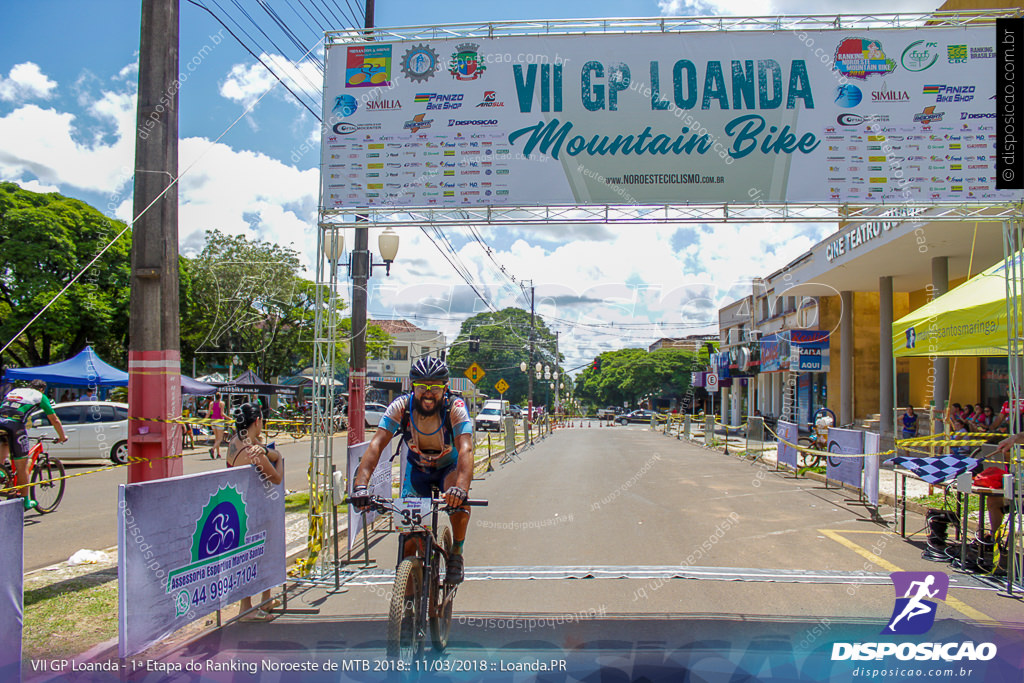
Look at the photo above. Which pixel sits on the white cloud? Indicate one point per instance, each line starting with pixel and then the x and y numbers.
pixel 65 149
pixel 245 83
pixel 226 185
pixel 36 186
pixel 26 81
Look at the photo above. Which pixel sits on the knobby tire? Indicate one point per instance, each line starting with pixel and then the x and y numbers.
pixel 403 639
pixel 47 484
pixel 440 602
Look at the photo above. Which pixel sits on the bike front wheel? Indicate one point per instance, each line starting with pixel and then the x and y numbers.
pixel 404 640
pixel 441 596
pixel 47 484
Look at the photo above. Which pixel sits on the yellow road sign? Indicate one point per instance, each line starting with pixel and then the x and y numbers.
pixel 475 373
pixel 501 386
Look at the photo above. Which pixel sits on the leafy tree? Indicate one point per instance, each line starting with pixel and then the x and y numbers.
pixel 247 298
pixel 504 344
pixel 627 375
pixel 46 240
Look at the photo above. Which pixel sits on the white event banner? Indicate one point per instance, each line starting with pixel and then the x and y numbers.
pixel 865 116
pixel 380 485
pixel 194 544
pixel 12 584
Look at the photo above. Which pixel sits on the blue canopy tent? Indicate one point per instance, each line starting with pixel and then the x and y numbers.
pixel 193 387
pixel 85 369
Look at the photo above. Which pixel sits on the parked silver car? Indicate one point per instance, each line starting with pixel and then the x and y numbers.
pixel 95 430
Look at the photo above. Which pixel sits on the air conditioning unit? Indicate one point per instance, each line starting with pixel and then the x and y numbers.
pixel 388 367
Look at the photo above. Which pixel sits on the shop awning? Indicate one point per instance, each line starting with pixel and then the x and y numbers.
pixel 969 320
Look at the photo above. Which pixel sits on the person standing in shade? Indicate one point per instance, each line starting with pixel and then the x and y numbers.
pixel 215 411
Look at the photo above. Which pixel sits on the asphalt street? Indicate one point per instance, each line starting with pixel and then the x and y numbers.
pixel 87 516
pixel 751 540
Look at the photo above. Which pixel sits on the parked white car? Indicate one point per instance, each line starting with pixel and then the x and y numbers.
pixel 95 430
pixel 374 412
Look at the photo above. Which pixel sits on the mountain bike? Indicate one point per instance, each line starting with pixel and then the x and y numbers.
pixel 420 595
pixel 46 476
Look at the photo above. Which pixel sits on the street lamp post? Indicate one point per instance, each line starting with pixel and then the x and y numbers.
pixel 360 267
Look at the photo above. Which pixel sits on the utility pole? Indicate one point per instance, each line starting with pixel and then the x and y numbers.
pixel 360 276
pixel 558 395
pixel 154 359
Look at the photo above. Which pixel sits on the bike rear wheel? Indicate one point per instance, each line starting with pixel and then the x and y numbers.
pixel 47 484
pixel 809 459
pixel 441 596
pixel 404 639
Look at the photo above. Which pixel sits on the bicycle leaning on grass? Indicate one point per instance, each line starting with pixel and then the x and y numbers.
pixel 46 477
pixel 420 597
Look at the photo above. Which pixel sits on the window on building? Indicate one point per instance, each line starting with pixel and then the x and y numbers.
pixel 399 353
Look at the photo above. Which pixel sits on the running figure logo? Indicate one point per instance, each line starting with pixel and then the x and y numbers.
pixel 914 612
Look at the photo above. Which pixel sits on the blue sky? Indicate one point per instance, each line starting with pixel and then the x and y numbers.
pixel 68 74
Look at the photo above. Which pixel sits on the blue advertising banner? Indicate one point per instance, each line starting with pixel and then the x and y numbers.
pixel 12 530
pixel 845 442
pixel 194 544
pixel 787 451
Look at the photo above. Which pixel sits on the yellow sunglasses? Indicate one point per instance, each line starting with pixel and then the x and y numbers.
pixel 429 387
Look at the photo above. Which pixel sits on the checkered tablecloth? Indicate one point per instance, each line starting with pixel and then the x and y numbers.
pixel 937 470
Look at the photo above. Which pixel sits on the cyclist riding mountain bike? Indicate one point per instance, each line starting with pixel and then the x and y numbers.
pixel 438 433
pixel 14 411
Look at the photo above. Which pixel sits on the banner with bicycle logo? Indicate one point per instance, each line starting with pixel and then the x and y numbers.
pixel 194 544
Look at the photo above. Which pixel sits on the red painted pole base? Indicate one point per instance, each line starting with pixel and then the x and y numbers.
pixel 356 406
pixel 154 392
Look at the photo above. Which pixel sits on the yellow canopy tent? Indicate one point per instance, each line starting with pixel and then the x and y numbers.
pixel 969 320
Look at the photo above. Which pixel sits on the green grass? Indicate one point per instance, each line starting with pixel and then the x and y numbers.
pixel 940 501
pixel 299 502
pixel 296 502
pixel 66 618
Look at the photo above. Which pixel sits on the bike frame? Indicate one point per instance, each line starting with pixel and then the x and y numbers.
pixel 33 457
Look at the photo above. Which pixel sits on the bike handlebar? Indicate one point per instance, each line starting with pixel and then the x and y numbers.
pixel 51 439
pixel 472 502
pixel 385 504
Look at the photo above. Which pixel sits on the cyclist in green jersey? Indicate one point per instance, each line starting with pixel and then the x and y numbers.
pixel 14 411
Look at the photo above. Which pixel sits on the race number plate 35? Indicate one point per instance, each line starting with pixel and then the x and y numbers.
pixel 414 506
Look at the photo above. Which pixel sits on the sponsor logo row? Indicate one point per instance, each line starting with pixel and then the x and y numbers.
pixel 346 105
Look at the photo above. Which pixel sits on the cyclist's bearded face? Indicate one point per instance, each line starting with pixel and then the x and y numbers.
pixel 427 403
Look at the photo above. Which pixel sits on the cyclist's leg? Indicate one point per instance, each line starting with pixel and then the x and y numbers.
pixel 18 440
pixel 460 524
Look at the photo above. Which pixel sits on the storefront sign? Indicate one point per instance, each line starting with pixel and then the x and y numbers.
pixel 855 237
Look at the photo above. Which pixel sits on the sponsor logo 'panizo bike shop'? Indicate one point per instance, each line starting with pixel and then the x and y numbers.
pixel 914 614
pixel 223 555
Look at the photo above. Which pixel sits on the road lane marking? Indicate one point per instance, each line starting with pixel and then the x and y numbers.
pixel 958 605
